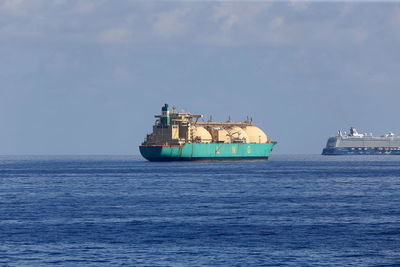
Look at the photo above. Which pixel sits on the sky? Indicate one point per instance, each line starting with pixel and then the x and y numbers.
pixel 88 76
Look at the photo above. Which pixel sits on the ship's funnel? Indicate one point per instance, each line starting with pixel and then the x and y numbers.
pixel 165 120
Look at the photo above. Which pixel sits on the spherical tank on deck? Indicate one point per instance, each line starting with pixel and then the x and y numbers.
pixel 255 134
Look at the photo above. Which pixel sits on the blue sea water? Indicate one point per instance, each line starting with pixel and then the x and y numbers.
pixel 122 210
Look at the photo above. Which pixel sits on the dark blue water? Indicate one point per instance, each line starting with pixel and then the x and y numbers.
pixel 115 210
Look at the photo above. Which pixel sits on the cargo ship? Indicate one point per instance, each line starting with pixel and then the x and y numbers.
pixel 180 136
pixel 355 143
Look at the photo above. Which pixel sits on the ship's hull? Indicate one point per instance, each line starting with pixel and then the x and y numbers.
pixel 211 151
pixel 360 151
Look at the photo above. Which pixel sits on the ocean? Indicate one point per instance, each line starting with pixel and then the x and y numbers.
pixel 293 210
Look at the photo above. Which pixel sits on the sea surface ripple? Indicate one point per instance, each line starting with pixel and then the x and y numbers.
pixel 121 210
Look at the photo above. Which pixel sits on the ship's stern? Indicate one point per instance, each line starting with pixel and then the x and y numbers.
pixel 151 153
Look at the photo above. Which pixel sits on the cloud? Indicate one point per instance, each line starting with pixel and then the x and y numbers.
pixel 298 6
pixel 171 23
pixel 124 75
pixel 276 31
pixel 227 17
pixel 233 23
pixel 276 23
pixel 59 2
pixel 397 16
pixel 347 8
pixel 237 15
pixel 205 23
pixel 379 79
pixel 85 6
pixel 19 7
pixel 115 35
pixel 357 34
pixel 396 22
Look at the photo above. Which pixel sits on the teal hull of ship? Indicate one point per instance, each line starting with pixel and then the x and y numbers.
pixel 212 151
